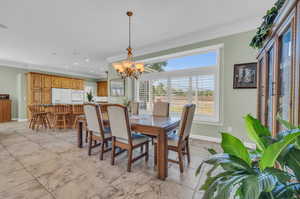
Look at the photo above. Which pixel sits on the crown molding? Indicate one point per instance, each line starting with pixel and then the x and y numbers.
pixel 44 68
pixel 232 28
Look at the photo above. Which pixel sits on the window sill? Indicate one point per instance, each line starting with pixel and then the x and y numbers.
pixel 212 123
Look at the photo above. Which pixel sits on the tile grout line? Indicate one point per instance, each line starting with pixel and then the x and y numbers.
pixel 28 172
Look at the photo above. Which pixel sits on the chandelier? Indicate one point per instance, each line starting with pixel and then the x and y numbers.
pixel 129 68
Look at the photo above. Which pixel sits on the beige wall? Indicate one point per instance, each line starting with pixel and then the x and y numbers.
pixel 235 102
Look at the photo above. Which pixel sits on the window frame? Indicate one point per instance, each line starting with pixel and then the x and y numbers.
pixel 203 70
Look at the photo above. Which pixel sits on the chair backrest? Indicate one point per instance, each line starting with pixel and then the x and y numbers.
pixel 35 108
pixel 161 109
pixel 94 119
pixel 187 117
pixel 135 106
pixel 77 109
pixel 119 122
pixel 61 108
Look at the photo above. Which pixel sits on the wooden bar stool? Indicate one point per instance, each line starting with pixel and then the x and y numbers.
pixel 39 117
pixel 77 113
pixel 61 116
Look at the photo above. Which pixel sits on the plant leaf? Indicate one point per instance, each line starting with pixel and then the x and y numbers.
pixel 256 131
pixel 228 162
pixel 270 155
pixel 251 188
pixel 285 123
pixel 235 147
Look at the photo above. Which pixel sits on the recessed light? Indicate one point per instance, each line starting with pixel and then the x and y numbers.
pixel 87 59
pixel 75 63
pixel 3 26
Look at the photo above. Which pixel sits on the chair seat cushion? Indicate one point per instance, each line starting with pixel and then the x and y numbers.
pixel 172 139
pixel 136 139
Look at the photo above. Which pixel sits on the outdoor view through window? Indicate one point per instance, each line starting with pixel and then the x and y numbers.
pixel 182 80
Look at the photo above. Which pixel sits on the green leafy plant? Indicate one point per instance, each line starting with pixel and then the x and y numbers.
pixel 271 171
pixel 264 30
pixel 89 96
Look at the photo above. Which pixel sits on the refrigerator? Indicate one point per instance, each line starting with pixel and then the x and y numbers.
pixel 67 96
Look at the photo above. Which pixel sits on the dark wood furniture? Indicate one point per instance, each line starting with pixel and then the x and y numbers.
pixel 179 142
pixel 149 125
pixel 5 108
pixel 279 71
pixel 95 127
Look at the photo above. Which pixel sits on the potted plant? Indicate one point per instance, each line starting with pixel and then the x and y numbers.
pixel 89 96
pixel 271 171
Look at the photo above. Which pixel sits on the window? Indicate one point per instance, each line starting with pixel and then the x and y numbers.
pixel 182 80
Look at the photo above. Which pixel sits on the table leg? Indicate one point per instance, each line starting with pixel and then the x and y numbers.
pixel 79 133
pixel 162 155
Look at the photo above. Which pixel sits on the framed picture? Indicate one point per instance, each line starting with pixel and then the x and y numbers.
pixel 244 75
pixel 117 87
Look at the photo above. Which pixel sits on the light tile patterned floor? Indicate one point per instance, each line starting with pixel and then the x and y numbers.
pixel 48 164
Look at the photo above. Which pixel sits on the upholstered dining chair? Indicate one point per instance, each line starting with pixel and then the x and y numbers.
pixel 96 129
pixel 123 137
pixel 161 109
pixel 180 142
pixel 135 106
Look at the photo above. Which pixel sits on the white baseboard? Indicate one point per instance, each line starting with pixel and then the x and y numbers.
pixel 218 140
pixel 22 120
pixel 19 119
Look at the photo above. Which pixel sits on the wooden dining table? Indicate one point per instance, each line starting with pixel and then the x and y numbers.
pixel 153 126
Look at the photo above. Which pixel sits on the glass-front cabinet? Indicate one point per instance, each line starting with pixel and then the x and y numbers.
pixel 278 72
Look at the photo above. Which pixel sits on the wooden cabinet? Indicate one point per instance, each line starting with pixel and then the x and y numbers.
pixel 36 81
pixel 278 70
pixel 5 110
pixel 102 89
pixel 46 96
pixel 39 87
pixel 47 81
pixel 56 82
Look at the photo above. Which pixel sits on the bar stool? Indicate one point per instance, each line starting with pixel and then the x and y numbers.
pixel 61 115
pixel 39 118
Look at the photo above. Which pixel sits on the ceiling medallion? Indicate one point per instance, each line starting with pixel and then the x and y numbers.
pixel 128 68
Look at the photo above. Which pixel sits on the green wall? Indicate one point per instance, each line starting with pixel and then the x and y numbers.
pixel 235 102
pixel 13 82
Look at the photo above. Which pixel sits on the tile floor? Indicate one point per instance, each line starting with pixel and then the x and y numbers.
pixel 47 164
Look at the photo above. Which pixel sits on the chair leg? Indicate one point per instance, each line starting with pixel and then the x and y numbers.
pixel 86 136
pixel 113 149
pixel 142 148
pixel 102 150
pixel 188 151
pixel 65 121
pixel 90 144
pixel 129 159
pixel 155 154
pixel 180 160
pixel 147 152
pixel 30 123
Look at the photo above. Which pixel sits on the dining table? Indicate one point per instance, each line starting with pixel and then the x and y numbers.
pixel 158 127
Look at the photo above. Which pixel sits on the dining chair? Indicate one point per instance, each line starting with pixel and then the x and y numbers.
pixel 123 137
pixel 180 142
pixel 135 106
pixel 96 129
pixel 161 109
